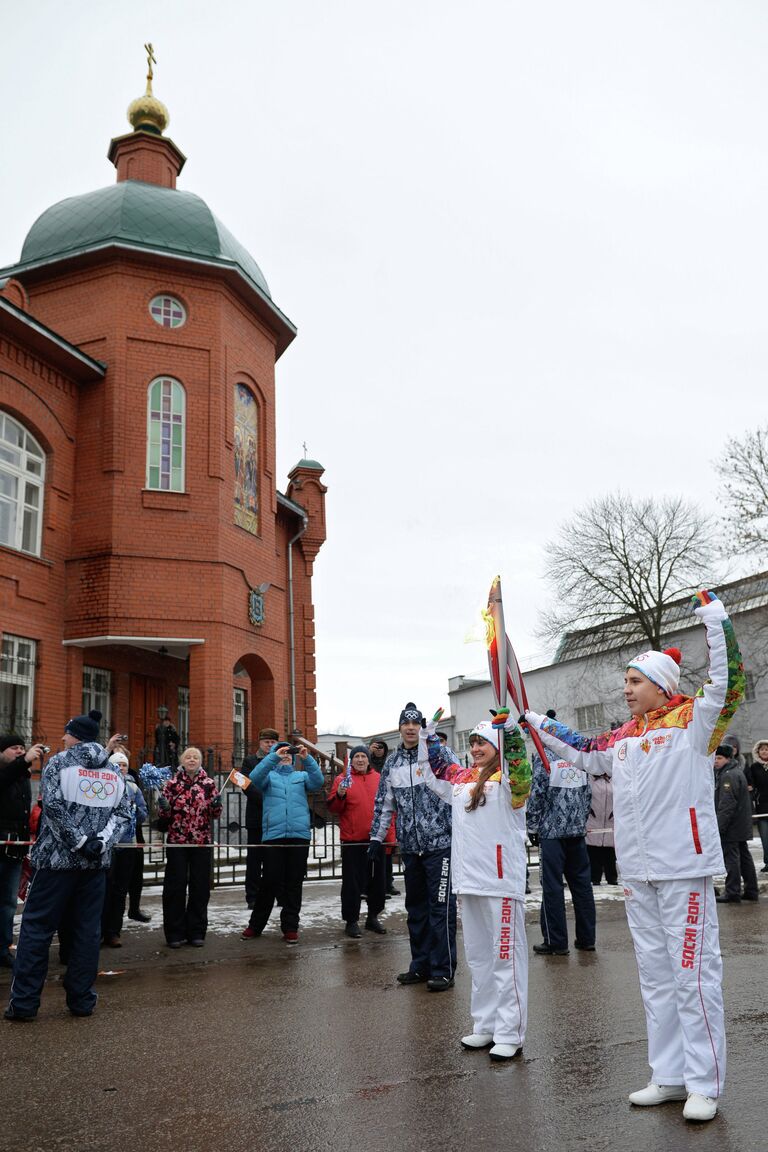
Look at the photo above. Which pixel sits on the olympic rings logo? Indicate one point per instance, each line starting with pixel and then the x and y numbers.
pixel 570 774
pixel 97 789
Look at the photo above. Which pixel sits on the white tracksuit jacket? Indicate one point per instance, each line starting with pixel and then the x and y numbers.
pixel 662 767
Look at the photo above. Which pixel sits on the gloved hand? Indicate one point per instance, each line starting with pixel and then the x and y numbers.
pixel 534 839
pixel 93 849
pixel 430 726
pixel 500 718
pixel 375 851
pixel 163 803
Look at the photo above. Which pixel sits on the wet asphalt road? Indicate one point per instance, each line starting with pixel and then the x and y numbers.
pixel 254 1045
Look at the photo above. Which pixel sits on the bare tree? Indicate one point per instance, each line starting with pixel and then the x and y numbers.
pixel 618 564
pixel 743 469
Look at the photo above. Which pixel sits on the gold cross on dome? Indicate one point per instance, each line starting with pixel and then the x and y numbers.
pixel 150 60
pixel 304 446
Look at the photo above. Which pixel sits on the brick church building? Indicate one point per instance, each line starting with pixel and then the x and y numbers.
pixel 147 559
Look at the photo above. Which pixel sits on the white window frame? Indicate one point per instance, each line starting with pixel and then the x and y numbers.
pixel 590 717
pixel 17 683
pixel 31 457
pixel 182 717
pixel 160 301
pixel 97 693
pixel 239 722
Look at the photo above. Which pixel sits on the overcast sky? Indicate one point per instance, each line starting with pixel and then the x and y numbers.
pixel 524 245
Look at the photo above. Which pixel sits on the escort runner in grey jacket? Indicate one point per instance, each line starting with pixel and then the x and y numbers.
pixel 422 819
pixel 83 796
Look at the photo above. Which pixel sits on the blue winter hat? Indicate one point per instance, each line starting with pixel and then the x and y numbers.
pixel 84 727
pixel 410 715
pixel 359 748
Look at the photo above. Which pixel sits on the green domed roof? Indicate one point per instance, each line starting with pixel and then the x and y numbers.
pixel 136 215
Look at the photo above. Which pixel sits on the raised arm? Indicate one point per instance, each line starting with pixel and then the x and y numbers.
pixel 592 753
pixel 439 768
pixel 518 767
pixel 716 702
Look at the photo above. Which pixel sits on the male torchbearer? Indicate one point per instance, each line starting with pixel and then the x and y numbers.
pixel 668 850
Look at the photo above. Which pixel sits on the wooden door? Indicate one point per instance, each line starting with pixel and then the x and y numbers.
pixel 146 698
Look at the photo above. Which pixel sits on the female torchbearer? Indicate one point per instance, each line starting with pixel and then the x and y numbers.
pixel 668 849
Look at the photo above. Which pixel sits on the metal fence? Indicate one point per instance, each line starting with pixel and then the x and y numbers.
pixel 230 835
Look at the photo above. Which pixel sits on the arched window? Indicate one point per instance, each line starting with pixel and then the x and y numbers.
pixel 165 435
pixel 246 460
pixel 22 473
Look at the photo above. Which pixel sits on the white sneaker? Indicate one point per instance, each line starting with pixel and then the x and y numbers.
pixel 504 1052
pixel 477 1040
pixel 698 1107
pixel 657 1094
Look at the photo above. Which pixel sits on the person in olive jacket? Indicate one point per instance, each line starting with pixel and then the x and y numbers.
pixel 284 778
pixel 733 805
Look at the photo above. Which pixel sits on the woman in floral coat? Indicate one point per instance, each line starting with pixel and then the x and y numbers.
pixel 188 803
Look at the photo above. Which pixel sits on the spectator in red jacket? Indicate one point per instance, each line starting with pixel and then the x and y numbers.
pixel 351 799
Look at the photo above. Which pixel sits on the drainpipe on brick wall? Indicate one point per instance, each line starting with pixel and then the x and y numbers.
pixel 291 637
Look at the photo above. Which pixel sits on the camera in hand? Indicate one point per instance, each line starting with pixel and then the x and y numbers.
pixel 45 749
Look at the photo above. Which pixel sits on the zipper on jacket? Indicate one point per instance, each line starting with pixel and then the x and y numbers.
pixel 413 800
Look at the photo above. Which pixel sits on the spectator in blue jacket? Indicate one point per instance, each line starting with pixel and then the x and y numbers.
pixel 284 777
pixel 557 813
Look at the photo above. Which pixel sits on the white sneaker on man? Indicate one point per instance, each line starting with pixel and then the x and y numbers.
pixel 698 1107
pixel 477 1040
pixel 504 1052
pixel 657 1094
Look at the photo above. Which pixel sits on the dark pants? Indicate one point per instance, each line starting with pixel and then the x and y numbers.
pixel 360 877
pixel 567 858
pixel 77 897
pixel 738 863
pixel 602 859
pixel 136 886
pixel 186 891
pixel 118 883
pixel 10 874
pixel 285 863
pixel 254 866
pixel 431 908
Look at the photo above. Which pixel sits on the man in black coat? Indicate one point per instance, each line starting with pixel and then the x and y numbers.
pixel 15 801
pixel 734 820
pixel 254 859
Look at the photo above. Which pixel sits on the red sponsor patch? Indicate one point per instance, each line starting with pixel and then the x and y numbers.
pixel 499 864
pixel 695 831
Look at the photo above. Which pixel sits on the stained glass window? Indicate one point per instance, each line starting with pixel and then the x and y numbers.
pixel 165 435
pixel 167 311
pixel 246 460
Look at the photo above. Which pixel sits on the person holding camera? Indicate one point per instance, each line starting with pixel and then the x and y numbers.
pixel 15 802
pixel 284 777
pixel 85 811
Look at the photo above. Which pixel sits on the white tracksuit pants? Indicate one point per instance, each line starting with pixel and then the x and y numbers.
pixel 675 934
pixel 497 955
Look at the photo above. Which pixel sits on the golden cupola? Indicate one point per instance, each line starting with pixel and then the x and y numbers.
pixel 146 113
